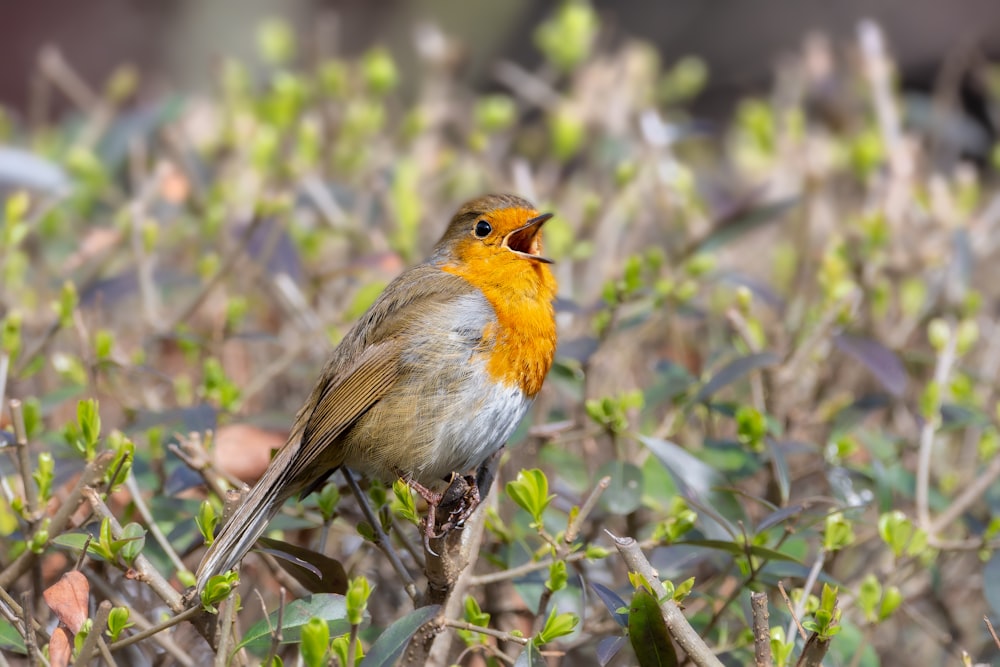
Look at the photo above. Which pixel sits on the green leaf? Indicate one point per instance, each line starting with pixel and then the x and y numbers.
pixel 648 632
pixel 624 493
pixel 358 592
pixel 404 505
pixel 474 613
pixel 869 595
pixel 43 475
pixel 738 549
pixel 556 625
pixel 10 638
pixel 134 539
pixel 325 606
pixel 531 492
pixel 218 589
pixel 315 642
pixel 390 644
pixel 891 599
pixel 557 576
pixel 118 622
pixel 530 657
pixel 206 519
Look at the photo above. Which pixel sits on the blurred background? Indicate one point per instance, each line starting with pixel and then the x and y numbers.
pixel 174 44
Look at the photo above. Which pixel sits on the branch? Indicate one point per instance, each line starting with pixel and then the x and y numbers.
pixel 96 630
pixel 966 498
pixel 942 369
pixel 383 543
pixel 475 528
pixel 761 630
pixel 24 459
pixel 144 569
pixel 92 474
pixel 813 652
pixel 682 632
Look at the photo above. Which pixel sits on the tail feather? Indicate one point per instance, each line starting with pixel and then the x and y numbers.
pixel 237 536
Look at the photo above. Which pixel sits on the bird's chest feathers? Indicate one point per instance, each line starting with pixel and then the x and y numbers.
pixel 521 343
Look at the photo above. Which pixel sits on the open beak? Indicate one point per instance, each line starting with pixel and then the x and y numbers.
pixel 525 240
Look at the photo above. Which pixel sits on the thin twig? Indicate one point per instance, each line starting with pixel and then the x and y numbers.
pixel 761 630
pixel 109 659
pixel 92 474
pixel 416 553
pixel 791 610
pixel 352 644
pixel 522 570
pixel 800 608
pixel 140 504
pixel 29 637
pixel 96 630
pixel 24 458
pixel 993 633
pixel 972 492
pixel 10 606
pixel 224 629
pixel 686 637
pixel 942 369
pixel 499 634
pixel 4 369
pixel 185 615
pixel 276 638
pixel 180 655
pixel 409 585
pixel 573 529
pixel 144 569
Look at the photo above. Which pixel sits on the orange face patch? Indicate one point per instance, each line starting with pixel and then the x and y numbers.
pixel 522 343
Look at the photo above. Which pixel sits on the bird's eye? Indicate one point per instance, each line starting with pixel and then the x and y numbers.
pixel 483 229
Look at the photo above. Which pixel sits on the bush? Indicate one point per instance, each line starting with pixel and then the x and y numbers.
pixel 776 371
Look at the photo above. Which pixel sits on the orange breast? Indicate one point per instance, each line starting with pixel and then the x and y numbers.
pixel 522 342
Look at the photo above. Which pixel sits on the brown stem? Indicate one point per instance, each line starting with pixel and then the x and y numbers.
pixel 144 569
pixel 682 632
pixel 24 458
pixel 92 474
pixel 761 630
pixel 475 529
pixel 383 542
pixel 96 630
pixel 813 652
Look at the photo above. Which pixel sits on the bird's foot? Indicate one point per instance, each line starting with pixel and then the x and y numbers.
pixel 448 510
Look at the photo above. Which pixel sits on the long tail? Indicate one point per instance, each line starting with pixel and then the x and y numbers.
pixel 249 521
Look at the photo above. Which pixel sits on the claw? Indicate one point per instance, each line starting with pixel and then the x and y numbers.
pixel 449 510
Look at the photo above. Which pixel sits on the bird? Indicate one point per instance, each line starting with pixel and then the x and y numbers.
pixel 430 382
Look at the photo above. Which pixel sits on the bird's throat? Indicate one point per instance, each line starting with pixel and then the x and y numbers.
pixel 521 343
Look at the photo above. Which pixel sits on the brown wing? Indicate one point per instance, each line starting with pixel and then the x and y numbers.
pixel 361 370
pixel 335 407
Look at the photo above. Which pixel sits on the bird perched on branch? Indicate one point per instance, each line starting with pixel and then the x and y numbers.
pixel 430 382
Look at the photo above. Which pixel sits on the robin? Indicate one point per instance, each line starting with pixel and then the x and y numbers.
pixel 430 382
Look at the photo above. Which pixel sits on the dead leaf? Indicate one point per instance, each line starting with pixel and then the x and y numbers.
pixel 244 451
pixel 60 648
pixel 69 599
pixel 96 241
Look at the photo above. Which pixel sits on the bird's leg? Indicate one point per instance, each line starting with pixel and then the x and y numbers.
pixel 433 499
pixel 452 508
